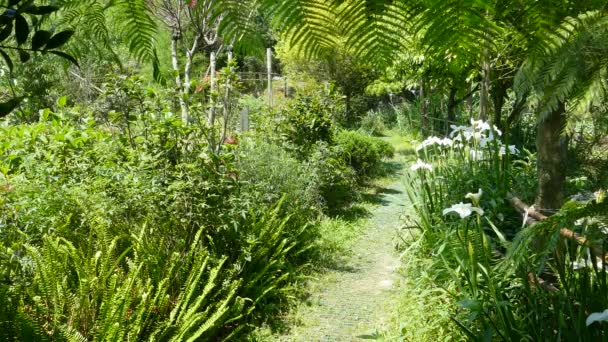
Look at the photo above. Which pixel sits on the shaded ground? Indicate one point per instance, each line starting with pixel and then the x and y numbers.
pixel 349 303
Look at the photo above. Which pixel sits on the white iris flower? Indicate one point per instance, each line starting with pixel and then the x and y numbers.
pixel 463 209
pixel 421 165
pixel 597 317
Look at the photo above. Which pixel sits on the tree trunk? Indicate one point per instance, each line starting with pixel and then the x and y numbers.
pixel 485 89
pixel 186 86
pixel 552 148
pixel 212 90
pixel 423 107
pixel 178 80
pixel 498 99
pixel 212 102
pixel 269 71
pixel 349 120
pixel 227 105
pixel 452 105
pixel 470 100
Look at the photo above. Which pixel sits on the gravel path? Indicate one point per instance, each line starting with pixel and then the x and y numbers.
pixel 350 303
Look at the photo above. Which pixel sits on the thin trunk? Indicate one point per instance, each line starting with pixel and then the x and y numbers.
pixel 451 108
pixel 498 99
pixel 212 89
pixel 186 86
pixel 178 79
pixel 552 148
pixel 226 106
pixel 518 108
pixel 269 70
pixel 470 100
pixel 347 109
pixel 485 78
pixel 212 95
pixel 485 89
pixel 423 107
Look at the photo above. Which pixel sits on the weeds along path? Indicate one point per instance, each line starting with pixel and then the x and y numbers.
pixel 349 303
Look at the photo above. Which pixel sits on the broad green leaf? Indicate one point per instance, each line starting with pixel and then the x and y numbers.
pixel 40 39
pixel 59 39
pixel 65 56
pixel 6 31
pixel 41 10
pixel 7 59
pixel 10 105
pixel 62 101
pixel 22 29
pixel 24 56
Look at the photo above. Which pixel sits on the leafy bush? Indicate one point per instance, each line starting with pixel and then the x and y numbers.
pixel 142 226
pixel 307 120
pixel 373 124
pixel 323 182
pixel 363 153
pixel 268 172
pixel 333 179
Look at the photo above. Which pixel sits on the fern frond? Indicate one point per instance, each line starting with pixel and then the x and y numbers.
pixel 139 29
pixel 304 23
pixel 570 64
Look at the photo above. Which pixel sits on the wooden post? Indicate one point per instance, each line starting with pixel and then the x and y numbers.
pixel 269 70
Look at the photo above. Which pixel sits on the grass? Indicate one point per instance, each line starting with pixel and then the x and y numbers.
pixel 423 311
pixel 336 242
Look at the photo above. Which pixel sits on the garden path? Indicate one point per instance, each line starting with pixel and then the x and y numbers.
pixel 350 303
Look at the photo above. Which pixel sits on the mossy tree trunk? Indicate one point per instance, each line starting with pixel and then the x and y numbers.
pixel 552 148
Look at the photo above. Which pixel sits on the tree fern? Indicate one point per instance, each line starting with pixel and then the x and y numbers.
pixel 139 29
pixel 305 23
pixel 571 65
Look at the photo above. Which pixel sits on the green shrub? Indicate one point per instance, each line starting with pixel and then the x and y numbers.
pixel 372 124
pixel 332 177
pixel 323 182
pixel 363 153
pixel 306 120
pixel 102 225
pixel 267 172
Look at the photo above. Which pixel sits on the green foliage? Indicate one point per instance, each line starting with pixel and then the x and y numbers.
pixel 514 282
pixel 15 28
pixel 262 169
pixel 332 178
pixel 120 222
pixel 373 124
pixel 363 153
pixel 307 120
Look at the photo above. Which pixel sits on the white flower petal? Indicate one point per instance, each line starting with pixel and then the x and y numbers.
pixel 464 210
pixel 597 317
pixel 421 165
